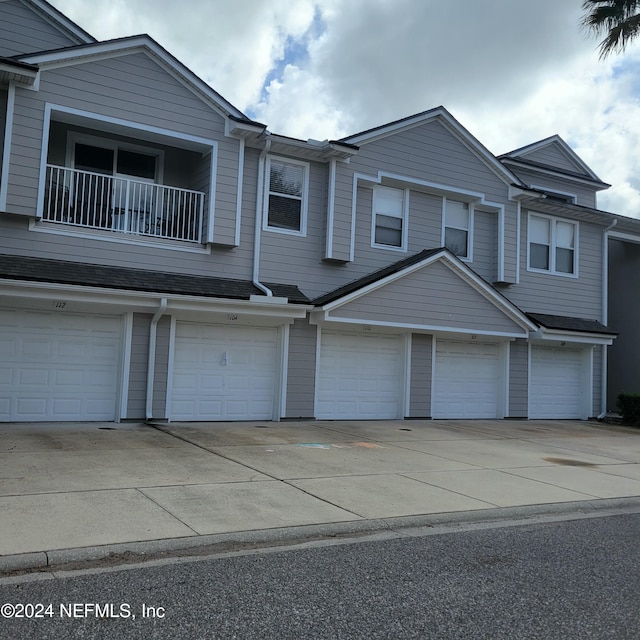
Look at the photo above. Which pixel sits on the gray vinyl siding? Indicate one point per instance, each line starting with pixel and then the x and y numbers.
pixel 138 370
pixel 431 153
pixel 518 379
pixel 485 242
pixel 432 296
pixel 163 336
pixel 597 380
pixel 3 118
pixel 552 156
pixel 343 198
pixel 561 295
pixel 189 115
pixel 132 88
pixel 301 375
pixel 428 153
pixel 421 363
pixel 25 31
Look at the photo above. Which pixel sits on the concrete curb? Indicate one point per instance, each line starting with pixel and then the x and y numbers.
pixel 140 552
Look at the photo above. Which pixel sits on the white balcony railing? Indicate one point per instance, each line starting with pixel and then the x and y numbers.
pixel 87 199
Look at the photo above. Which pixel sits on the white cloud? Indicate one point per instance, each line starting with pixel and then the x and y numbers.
pixel 511 72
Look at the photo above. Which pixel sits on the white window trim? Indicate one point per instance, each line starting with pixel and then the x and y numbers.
pixel 305 197
pixel 469 256
pixel 405 220
pixel 552 246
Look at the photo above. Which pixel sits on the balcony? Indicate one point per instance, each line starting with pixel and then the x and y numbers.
pixel 122 205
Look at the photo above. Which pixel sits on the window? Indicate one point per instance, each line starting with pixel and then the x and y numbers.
pixel 389 218
pixel 552 245
pixel 457 228
pixel 115 161
pixel 287 196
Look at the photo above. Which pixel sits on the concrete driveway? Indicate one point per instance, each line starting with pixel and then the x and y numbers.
pixel 68 486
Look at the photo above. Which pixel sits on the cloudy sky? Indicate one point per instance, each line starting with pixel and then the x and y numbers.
pixel 511 71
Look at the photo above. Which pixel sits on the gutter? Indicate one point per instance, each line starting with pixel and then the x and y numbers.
pixel 151 365
pixel 258 229
pixel 605 315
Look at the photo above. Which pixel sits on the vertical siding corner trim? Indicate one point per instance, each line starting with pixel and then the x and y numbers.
pixel 123 399
pixel 331 206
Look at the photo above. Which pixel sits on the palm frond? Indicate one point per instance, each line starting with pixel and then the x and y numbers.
pixel 620 19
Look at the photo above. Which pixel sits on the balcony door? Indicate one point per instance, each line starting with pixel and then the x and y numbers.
pixel 125 195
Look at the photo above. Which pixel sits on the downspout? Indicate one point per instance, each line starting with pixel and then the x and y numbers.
pixel 258 230
pixel 153 333
pixel 605 315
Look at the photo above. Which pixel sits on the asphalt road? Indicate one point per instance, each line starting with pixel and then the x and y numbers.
pixel 564 580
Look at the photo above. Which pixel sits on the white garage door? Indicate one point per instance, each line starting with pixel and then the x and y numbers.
pixel 557 381
pixel 58 366
pixel 223 372
pixel 361 377
pixel 466 380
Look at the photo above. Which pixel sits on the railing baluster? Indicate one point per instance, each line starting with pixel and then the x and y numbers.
pixel 89 199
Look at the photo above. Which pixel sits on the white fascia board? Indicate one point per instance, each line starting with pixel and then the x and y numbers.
pixel 330 306
pixel 125 298
pixel 558 174
pixel 454 127
pixel 408 326
pixel 627 237
pixel 480 151
pixel 18 74
pixel 566 149
pixel 505 305
pixel 61 22
pixel 579 337
pixel 128 46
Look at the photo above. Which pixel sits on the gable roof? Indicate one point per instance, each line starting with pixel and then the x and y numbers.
pixel 441 115
pixel 127 279
pixel 519 157
pixel 142 43
pixel 59 20
pixel 399 269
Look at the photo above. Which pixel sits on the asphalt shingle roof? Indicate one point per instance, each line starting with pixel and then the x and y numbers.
pixel 570 324
pixel 93 275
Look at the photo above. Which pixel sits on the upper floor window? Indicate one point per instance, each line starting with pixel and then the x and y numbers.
pixel 457 228
pixel 552 245
pixel 389 218
pixel 286 206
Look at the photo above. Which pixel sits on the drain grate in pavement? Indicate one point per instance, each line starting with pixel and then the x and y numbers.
pixel 260 426
pixel 567 462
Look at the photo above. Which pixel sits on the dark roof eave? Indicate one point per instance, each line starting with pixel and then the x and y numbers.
pixel 359 283
pixel 29 269
pixel 568 323
pixel 506 159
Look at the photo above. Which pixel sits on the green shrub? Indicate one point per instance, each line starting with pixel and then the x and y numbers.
pixel 629 405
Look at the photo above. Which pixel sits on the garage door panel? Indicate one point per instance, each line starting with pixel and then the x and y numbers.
pixel 467 379
pixel 360 376
pixel 224 372
pixel 54 366
pixel 557 380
